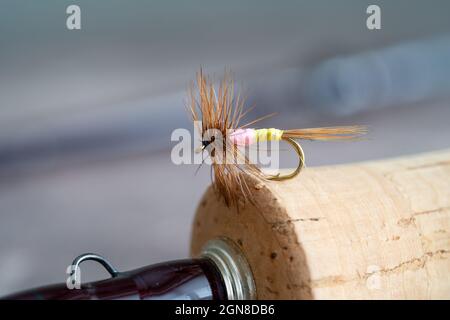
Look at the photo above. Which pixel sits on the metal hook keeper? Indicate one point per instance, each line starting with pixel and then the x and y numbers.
pixel 95 257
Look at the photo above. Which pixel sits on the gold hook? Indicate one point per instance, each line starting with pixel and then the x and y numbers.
pixel 301 162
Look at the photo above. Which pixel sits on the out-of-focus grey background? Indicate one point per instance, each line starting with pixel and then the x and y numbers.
pixel 86 115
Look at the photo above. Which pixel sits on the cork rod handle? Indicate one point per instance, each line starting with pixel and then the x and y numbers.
pixel 359 231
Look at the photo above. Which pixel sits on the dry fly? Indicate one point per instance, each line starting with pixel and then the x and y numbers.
pixel 220 111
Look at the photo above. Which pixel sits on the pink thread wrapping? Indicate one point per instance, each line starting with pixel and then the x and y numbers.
pixel 243 137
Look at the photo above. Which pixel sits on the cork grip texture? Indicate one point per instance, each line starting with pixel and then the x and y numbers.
pixel 373 230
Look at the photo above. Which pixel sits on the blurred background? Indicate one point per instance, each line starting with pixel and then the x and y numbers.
pixel 86 115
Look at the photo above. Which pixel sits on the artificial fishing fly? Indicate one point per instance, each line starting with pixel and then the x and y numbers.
pixel 221 111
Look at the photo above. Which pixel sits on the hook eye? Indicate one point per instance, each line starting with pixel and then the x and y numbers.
pixel 301 162
pixel 95 257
